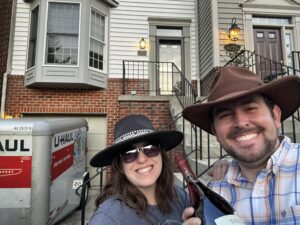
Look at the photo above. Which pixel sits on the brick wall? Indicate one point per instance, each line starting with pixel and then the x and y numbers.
pixel 35 100
pixel 206 82
pixel 5 16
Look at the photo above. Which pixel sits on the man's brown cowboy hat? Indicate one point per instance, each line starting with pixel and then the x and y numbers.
pixel 234 82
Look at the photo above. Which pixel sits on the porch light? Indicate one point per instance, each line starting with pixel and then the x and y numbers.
pixel 142 44
pixel 234 30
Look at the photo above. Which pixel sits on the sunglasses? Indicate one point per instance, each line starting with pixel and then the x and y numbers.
pixel 131 155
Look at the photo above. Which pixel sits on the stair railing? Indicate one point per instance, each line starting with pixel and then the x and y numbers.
pixel 156 78
pixel 268 69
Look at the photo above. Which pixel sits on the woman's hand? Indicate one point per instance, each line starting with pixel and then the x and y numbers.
pixel 188 219
pixel 218 170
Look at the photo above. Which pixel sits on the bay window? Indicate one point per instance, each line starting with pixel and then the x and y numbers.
pixel 67 43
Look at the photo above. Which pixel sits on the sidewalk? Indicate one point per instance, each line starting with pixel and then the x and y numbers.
pixel 75 217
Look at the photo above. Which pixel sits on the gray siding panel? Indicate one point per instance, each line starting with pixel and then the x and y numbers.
pixel 205 37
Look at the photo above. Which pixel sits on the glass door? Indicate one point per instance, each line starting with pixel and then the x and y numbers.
pixel 170 65
pixel 170 61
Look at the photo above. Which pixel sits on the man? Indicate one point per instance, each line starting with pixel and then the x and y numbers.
pixel 263 181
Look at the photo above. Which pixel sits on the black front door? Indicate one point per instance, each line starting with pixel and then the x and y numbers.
pixel 267 43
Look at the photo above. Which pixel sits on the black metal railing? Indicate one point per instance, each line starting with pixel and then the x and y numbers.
pixel 295 55
pixel 150 78
pixel 266 68
pixel 82 190
pixel 156 78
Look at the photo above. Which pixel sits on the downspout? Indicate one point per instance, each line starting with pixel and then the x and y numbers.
pixel 9 57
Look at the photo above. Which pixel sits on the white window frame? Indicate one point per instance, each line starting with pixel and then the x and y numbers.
pixel 37 7
pixel 105 43
pixel 285 48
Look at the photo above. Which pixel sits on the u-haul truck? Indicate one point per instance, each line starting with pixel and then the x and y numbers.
pixel 42 162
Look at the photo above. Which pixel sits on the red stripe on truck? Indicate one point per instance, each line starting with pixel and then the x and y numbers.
pixel 62 160
pixel 15 171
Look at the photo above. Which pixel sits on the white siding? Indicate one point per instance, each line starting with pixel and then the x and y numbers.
pixel 129 23
pixel 20 38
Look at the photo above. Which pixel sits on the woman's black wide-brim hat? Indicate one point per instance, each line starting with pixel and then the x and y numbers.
pixel 134 129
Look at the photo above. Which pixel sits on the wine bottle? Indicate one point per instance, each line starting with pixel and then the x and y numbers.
pixel 212 208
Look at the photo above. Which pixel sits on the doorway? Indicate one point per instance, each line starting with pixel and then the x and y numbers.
pixel 267 43
pixel 170 64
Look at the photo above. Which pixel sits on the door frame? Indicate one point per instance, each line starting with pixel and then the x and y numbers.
pixel 285 9
pixel 158 22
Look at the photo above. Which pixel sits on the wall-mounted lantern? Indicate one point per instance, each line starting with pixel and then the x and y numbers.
pixel 234 30
pixel 142 44
pixel 232 48
pixel 142 51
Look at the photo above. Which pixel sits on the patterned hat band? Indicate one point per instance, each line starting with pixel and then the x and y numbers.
pixel 132 134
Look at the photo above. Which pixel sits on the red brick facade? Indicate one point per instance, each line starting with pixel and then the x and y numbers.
pixel 21 100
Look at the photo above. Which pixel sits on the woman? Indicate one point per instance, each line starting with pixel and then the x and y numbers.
pixel 140 191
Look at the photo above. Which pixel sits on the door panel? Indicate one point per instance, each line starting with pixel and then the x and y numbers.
pixel 267 43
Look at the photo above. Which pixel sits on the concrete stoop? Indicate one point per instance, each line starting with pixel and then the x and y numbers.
pixel 189 137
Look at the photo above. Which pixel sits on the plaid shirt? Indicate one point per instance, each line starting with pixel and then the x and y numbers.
pixel 274 198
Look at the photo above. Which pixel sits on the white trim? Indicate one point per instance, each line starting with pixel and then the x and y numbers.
pixel 216 33
pixel 29 33
pixel 105 48
pixel 271 11
pixel 284 44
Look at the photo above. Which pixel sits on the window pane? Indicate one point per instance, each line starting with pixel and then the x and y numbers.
pixel 62 33
pixel 169 32
pixel 102 28
pixel 96 54
pixel 32 38
pixel 272 35
pixel 271 20
pixel 288 46
pixel 97 40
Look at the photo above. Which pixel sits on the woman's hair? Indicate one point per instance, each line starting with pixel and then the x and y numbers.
pixel 119 184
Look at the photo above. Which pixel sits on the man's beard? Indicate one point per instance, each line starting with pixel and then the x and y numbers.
pixel 266 151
